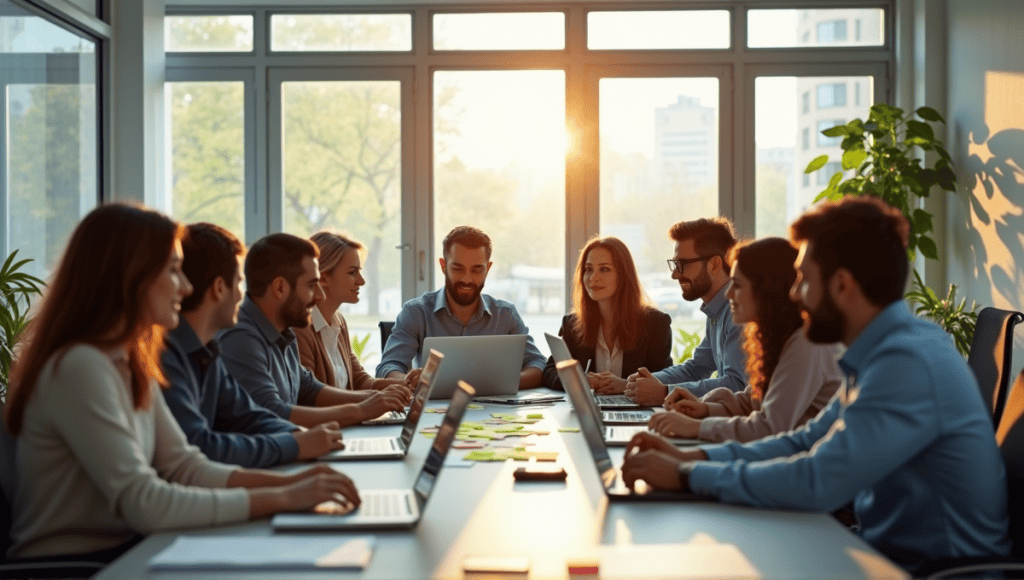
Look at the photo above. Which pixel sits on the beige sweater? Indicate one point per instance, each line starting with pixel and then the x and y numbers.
pixel 92 471
pixel 804 381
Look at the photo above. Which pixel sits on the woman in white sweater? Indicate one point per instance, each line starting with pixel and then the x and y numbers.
pixel 99 458
pixel 791 378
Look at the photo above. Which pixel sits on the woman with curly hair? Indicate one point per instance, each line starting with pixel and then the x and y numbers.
pixel 791 378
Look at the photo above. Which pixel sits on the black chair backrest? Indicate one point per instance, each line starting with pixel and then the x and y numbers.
pixel 1010 437
pixel 991 353
pixel 386 327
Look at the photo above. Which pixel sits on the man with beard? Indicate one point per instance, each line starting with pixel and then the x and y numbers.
pixel 907 438
pixel 261 352
pixel 458 309
pixel 699 265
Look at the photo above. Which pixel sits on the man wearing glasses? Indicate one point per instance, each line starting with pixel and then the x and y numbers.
pixel 700 267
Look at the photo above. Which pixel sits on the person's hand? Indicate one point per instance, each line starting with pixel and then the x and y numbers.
pixel 658 470
pixel 648 441
pixel 644 389
pixel 412 378
pixel 673 424
pixel 695 409
pixel 319 488
pixel 401 390
pixel 319 440
pixel 380 402
pixel 606 383
pixel 679 394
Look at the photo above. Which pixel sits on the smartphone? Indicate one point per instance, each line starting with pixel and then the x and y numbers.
pixel 540 473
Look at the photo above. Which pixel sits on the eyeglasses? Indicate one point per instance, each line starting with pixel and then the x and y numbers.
pixel 678 265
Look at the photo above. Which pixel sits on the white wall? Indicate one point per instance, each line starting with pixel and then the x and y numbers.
pixel 985 224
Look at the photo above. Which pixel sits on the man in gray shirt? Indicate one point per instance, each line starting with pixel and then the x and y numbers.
pixel 700 265
pixel 283 283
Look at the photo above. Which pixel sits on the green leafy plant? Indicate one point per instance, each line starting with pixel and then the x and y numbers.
pixel 16 291
pixel 880 152
pixel 683 345
pixel 359 347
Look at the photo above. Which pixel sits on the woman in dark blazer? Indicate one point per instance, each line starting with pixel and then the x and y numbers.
pixel 612 325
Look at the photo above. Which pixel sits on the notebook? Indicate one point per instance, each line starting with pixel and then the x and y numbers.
pixel 388 508
pixel 560 352
pixel 491 363
pixel 393 447
pixel 228 554
pixel 575 383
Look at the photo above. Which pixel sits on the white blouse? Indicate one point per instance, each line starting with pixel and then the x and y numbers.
pixel 607 360
pixel 330 333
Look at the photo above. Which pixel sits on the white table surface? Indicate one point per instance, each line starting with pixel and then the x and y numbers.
pixel 480 510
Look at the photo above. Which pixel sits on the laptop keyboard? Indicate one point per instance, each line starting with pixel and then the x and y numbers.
pixel 614 400
pixel 626 416
pixel 386 504
pixel 370 445
pixel 390 417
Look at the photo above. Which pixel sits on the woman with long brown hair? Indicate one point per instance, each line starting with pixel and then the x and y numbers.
pixel 612 324
pixel 790 378
pixel 100 459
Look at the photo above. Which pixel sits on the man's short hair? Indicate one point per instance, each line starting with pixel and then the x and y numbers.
pixel 711 237
pixel 864 235
pixel 467 237
pixel 210 252
pixel 276 255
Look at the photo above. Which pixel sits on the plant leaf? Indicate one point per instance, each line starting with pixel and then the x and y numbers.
pixel 816 164
pixel 927 247
pixel 929 114
pixel 853 158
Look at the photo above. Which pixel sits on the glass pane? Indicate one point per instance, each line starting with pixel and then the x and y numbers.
pixel 787 135
pixel 207 153
pixel 807 28
pixel 342 143
pixel 50 150
pixel 668 29
pixel 499 165
pixel 222 33
pixel 340 32
pixel 659 166
pixel 516 31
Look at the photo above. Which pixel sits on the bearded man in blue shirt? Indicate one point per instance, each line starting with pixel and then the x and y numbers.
pixel 907 438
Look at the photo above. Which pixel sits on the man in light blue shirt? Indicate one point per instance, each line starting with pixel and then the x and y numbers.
pixel 700 265
pixel 458 309
pixel 908 437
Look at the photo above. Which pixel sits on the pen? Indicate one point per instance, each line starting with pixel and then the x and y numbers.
pixel 587 370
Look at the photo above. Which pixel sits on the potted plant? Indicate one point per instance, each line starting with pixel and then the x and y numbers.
pixel 880 153
pixel 16 290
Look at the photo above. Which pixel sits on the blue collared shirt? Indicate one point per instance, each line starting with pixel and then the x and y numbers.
pixel 429 315
pixel 907 437
pixel 266 362
pixel 214 412
pixel 721 350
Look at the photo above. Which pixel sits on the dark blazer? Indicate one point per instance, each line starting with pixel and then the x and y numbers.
pixel 653 352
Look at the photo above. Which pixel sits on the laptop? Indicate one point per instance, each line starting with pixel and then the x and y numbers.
pixel 393 447
pixel 491 363
pixel 388 508
pixel 614 436
pixel 560 352
pixel 576 385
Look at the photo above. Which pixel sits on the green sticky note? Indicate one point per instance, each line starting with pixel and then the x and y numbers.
pixel 569 430
pixel 535 416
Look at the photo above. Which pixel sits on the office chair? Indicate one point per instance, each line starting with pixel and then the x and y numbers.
pixel 386 327
pixel 27 567
pixel 990 355
pixel 1010 438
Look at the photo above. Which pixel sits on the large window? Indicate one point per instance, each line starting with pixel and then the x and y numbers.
pixel 543 127
pixel 49 154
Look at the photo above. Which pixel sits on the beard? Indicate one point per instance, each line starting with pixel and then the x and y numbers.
pixel 295 313
pixel 452 289
pixel 699 286
pixel 825 324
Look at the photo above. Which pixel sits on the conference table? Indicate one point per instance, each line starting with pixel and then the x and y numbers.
pixel 477 510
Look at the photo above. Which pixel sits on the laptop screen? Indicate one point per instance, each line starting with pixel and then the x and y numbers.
pixel 442 442
pixel 419 398
pixel 575 383
pixel 559 350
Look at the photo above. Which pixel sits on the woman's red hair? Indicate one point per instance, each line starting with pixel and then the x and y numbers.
pixel 98 296
pixel 629 301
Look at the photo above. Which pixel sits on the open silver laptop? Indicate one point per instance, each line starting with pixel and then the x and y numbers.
pixel 560 352
pixel 491 363
pixel 575 383
pixel 613 435
pixel 393 447
pixel 388 508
